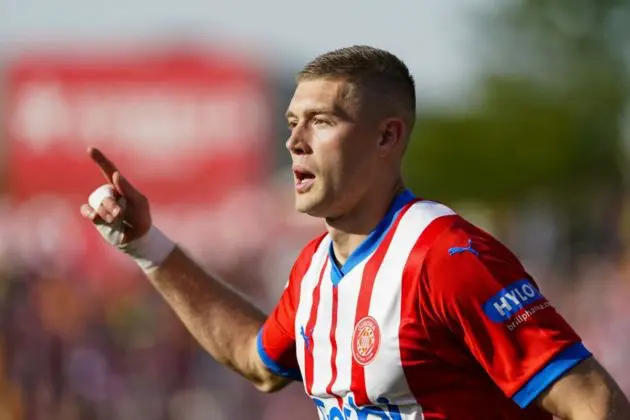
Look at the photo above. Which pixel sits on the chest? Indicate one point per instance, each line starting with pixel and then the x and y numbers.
pixel 355 339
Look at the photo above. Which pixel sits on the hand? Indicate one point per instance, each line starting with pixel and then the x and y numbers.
pixel 135 215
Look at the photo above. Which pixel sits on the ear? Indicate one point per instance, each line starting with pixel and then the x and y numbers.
pixel 392 135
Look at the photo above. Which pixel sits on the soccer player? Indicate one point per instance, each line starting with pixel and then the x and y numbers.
pixel 401 309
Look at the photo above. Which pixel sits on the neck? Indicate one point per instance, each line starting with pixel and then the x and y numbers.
pixel 350 229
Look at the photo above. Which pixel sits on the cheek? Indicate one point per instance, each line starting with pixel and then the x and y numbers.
pixel 330 155
pixel 343 157
pixel 349 172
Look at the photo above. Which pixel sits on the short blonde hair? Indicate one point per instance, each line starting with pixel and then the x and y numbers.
pixel 375 73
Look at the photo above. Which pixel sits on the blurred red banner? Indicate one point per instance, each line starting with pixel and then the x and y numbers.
pixel 184 126
pixel 190 128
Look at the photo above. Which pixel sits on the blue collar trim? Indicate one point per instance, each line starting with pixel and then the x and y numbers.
pixel 374 239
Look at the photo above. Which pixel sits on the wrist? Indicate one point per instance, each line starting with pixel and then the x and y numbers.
pixel 150 250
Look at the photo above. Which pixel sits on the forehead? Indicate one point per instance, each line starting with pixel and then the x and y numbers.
pixel 321 94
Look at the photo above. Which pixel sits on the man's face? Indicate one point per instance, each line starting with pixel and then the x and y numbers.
pixel 333 145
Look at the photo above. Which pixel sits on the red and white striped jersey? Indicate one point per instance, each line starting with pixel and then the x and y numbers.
pixel 430 318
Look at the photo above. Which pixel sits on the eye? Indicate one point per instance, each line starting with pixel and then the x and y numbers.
pixel 321 121
pixel 291 125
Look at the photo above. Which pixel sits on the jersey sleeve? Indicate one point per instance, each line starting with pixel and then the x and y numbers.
pixel 482 293
pixel 276 338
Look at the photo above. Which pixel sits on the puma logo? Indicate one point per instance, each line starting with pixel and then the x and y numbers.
pixel 459 249
pixel 306 337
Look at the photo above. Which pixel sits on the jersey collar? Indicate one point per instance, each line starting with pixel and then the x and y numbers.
pixel 373 240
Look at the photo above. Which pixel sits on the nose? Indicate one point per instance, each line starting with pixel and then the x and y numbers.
pixel 297 143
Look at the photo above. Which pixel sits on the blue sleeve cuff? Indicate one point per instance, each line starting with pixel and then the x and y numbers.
pixel 274 367
pixel 558 366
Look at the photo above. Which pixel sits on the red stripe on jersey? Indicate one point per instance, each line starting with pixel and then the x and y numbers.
pixel 357 386
pixel 410 304
pixel 333 344
pixel 310 344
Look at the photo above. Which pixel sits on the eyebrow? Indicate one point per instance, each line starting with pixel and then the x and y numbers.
pixel 311 112
pixel 337 111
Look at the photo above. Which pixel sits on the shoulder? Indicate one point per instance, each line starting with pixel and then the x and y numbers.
pixel 464 244
pixel 464 261
pixel 431 224
pixel 440 232
pixel 445 233
pixel 422 222
pixel 449 248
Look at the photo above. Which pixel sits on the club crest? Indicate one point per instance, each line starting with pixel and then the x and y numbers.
pixel 366 340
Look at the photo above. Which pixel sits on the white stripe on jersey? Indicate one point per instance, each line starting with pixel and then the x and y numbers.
pixel 322 351
pixel 385 305
pixel 309 283
pixel 348 300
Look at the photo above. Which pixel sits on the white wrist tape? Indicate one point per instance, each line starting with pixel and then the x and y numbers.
pixel 150 250
pixel 113 232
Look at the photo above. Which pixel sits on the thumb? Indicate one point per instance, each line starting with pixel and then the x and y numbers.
pixel 124 187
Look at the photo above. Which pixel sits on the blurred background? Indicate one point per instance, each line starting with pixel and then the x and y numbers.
pixel 524 128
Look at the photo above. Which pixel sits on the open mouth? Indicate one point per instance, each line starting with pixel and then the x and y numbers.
pixel 302 175
pixel 303 178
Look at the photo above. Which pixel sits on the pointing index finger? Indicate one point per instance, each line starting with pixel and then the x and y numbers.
pixel 105 165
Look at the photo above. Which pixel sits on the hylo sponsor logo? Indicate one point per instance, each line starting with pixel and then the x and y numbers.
pixel 511 300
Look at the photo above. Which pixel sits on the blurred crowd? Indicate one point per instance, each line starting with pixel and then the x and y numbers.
pixel 69 353
pixel 81 344
pixel 74 345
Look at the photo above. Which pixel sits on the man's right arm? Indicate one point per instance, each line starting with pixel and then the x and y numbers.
pixel 223 322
